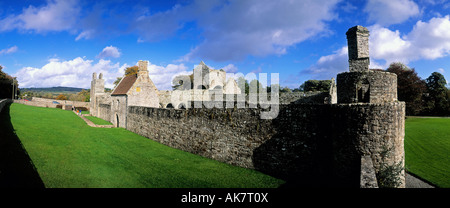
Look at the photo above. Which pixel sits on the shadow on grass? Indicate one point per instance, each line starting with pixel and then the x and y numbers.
pixel 16 168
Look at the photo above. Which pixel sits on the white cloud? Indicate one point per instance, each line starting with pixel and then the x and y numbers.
pixel 109 51
pixel 234 30
pixel 72 73
pixel 162 76
pixel 432 38
pixel 428 40
pixel 78 73
pixel 388 45
pixel 85 34
pixel 348 7
pixel 230 68
pixel 9 50
pixel 330 65
pixel 56 15
pixel 162 24
pixel 388 12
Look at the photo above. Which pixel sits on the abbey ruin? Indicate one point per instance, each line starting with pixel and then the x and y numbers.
pixel 343 138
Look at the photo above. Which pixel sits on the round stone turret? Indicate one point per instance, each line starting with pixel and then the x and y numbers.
pixel 366 87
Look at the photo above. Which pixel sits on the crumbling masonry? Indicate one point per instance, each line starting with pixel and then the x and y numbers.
pixel 312 143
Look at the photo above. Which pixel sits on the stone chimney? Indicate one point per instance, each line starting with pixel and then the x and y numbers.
pixel 142 68
pixel 358 49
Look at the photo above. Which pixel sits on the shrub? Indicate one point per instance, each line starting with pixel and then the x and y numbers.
pixel 61 97
pixel 388 175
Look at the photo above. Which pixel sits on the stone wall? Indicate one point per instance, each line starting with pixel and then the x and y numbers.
pixel 3 103
pixel 118 111
pixel 48 103
pixel 97 100
pixel 182 97
pixel 164 98
pixel 179 98
pixel 315 144
pixel 104 112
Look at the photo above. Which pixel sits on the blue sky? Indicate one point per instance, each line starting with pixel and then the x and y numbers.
pixel 49 43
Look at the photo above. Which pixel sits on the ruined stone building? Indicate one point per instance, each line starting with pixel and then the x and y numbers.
pixel 351 140
pixel 132 90
pixel 205 84
pixel 139 90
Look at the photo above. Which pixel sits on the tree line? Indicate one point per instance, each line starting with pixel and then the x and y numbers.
pixel 423 97
pixel 428 96
pixel 83 95
pixel 6 85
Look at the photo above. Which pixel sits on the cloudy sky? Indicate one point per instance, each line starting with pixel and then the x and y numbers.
pixel 49 43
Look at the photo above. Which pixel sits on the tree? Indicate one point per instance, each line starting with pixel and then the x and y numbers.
pixel 117 81
pixel 297 89
pixel 410 87
pixel 6 87
pixel 285 89
pixel 437 101
pixel 255 84
pixel 242 82
pixel 131 70
pixel 84 95
pixel 128 72
pixel 61 97
pixel 316 85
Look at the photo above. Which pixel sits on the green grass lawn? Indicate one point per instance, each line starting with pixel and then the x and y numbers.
pixel 98 121
pixel 85 112
pixel 69 153
pixel 427 148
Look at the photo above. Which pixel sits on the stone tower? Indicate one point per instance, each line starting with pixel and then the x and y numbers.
pixel 361 85
pixel 370 98
pixel 358 48
pixel 97 85
pixel 97 88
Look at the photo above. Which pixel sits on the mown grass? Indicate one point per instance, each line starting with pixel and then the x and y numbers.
pixel 427 147
pixel 98 121
pixel 69 153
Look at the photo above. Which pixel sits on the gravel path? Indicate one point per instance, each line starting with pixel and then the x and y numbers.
pixel 90 123
pixel 413 182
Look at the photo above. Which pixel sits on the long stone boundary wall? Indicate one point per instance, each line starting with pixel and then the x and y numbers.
pixel 308 143
pixel 37 104
pixel 301 97
pixel 48 103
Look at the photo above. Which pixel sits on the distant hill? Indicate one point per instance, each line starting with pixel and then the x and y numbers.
pixel 53 89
